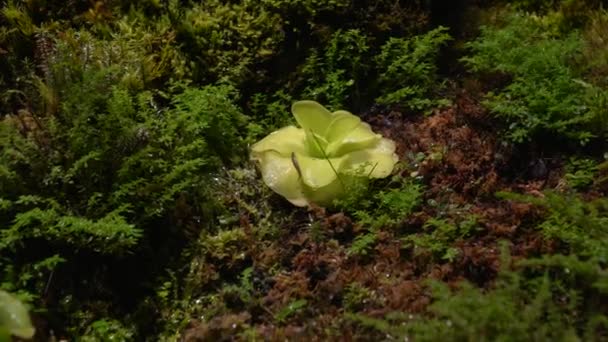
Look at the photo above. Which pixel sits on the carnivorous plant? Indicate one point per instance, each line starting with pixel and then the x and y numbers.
pixel 310 163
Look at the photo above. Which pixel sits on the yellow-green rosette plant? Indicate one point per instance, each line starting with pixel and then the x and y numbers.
pixel 310 164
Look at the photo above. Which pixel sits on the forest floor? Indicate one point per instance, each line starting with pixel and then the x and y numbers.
pixel 131 208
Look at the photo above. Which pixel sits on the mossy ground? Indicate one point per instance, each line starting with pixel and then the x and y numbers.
pixel 129 209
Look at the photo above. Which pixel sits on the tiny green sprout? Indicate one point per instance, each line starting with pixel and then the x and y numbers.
pixel 309 164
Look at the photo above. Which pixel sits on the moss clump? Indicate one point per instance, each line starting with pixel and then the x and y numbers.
pixel 544 94
pixel 408 70
pixel 96 164
pixel 521 306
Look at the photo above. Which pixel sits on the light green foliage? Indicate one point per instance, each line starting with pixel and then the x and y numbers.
pixel 596 54
pixel 307 8
pixel 135 56
pixel 155 41
pixel 109 234
pixel 210 112
pixel 227 246
pixel 309 164
pixel 338 72
pixel 596 99
pixel 545 95
pixel 566 14
pixel 582 226
pixel 389 207
pixel 357 297
pixel 399 203
pixel 363 244
pixel 508 313
pixel 290 310
pixel 96 165
pixel 14 318
pixel 198 135
pixel 18 18
pixel 439 237
pixel 580 173
pixel 246 281
pixel 521 306
pixel 386 208
pixel 229 39
pixel 271 113
pixel 408 70
pixel 107 330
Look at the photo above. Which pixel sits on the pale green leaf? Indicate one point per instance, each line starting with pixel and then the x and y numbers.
pixel 281 175
pixel 317 145
pixel 375 162
pixel 342 124
pixel 310 165
pixel 14 316
pixel 284 141
pixel 359 138
pixel 325 195
pixel 311 116
pixel 319 172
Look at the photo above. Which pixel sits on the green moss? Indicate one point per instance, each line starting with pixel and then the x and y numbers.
pixel 439 237
pixel 408 70
pixel 376 211
pixel 520 307
pixel 290 310
pixel 229 40
pixel 385 208
pixel 336 74
pixel 108 330
pixel 579 225
pixel 544 95
pixel 272 113
pixel 363 244
pixel 308 8
pixel 357 297
pixel 99 163
pixel 566 14
pixel 580 173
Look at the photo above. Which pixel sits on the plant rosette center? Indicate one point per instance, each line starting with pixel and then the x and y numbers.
pixel 310 164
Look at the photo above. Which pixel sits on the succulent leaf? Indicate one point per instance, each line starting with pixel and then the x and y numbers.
pixel 311 116
pixel 341 125
pixel 282 177
pixel 319 172
pixel 284 141
pixel 375 162
pixel 361 137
